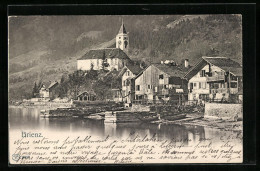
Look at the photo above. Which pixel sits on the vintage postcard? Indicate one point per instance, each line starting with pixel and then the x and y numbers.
pixel 125 89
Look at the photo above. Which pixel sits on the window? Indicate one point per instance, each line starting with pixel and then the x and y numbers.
pixel 204 85
pixel 161 76
pixel 199 85
pixel 233 85
pixel 216 85
pixel 119 37
pixel 150 86
pixel 202 73
pixel 137 87
pixel 165 86
pixel 127 73
pixel 191 85
pixel 194 85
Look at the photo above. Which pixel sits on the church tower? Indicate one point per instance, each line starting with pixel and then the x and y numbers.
pixel 122 39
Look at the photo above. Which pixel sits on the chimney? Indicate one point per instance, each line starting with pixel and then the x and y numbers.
pixel 186 63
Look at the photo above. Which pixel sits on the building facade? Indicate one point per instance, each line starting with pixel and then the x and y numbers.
pixel 128 73
pixel 107 58
pixel 86 96
pixel 161 82
pixel 48 90
pixel 214 78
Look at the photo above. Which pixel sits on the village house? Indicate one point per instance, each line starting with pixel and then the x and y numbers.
pixel 107 58
pixel 128 73
pixel 86 96
pixel 215 78
pixel 161 82
pixel 48 90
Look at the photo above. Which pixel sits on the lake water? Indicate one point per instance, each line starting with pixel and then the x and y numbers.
pixel 29 119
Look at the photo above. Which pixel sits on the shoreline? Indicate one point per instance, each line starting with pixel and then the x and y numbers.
pixel 194 119
pixel 216 123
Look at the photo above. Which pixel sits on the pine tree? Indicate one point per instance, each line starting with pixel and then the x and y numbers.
pixel 34 90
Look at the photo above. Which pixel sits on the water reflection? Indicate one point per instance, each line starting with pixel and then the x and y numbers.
pixel 29 118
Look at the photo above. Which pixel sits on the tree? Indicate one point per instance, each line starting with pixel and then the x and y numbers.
pixel 104 61
pixel 34 90
pixel 62 87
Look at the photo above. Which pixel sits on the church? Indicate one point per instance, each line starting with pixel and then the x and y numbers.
pixel 107 58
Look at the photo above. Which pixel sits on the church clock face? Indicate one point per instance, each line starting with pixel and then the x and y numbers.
pixel 119 42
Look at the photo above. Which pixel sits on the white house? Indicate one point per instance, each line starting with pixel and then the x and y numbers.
pixel 214 78
pixel 47 90
pixel 107 58
pixel 129 72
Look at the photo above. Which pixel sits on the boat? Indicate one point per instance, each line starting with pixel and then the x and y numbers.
pixel 147 117
pixel 43 111
pixel 94 117
pixel 173 117
pixel 46 115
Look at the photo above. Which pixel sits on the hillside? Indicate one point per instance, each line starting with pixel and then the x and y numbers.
pixel 44 48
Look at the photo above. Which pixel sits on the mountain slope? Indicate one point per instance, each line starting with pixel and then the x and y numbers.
pixel 46 47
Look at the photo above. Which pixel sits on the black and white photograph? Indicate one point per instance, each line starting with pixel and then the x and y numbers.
pixel 125 89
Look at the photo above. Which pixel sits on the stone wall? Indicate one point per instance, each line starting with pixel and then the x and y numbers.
pixel 120 117
pixel 224 111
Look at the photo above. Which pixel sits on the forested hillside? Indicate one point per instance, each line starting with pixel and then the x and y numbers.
pixel 46 47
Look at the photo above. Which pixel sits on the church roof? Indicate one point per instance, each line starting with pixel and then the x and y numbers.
pixel 105 53
pixel 122 29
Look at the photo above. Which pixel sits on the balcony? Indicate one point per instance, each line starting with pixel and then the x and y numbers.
pixel 216 78
pixel 219 90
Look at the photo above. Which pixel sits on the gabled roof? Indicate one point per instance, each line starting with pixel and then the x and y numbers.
pixel 105 53
pixel 223 63
pixel 49 84
pixel 53 84
pixel 195 69
pixel 172 71
pixel 175 71
pixel 135 69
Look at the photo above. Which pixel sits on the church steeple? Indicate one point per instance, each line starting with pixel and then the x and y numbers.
pixel 122 40
pixel 122 29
